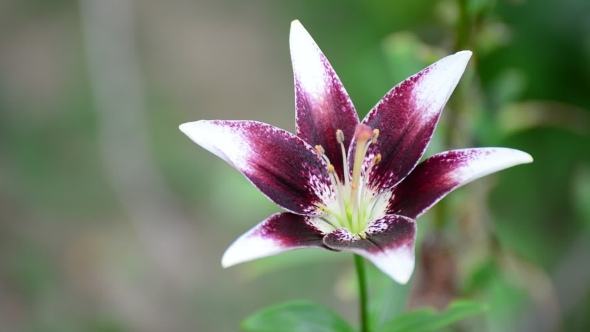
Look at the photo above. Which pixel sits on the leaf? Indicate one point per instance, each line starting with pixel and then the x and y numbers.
pixel 428 319
pixel 296 316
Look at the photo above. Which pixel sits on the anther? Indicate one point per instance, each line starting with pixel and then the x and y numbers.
pixel 331 168
pixel 377 159
pixel 320 150
pixel 339 136
pixel 375 135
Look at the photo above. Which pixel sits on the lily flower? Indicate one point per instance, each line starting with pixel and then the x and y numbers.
pixel 348 185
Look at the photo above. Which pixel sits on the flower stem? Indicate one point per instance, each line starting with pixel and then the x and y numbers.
pixel 359 262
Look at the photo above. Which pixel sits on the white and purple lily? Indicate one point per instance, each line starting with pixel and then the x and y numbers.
pixel 349 186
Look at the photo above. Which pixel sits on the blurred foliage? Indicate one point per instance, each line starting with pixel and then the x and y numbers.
pixel 72 259
pixel 427 320
pixel 295 317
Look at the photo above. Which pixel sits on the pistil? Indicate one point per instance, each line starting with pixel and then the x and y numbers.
pixel 362 135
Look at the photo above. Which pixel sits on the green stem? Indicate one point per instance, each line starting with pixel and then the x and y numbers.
pixel 359 262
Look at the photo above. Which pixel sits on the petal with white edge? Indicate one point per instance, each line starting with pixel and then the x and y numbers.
pixel 406 118
pixel 438 175
pixel 279 233
pixel 388 243
pixel 285 168
pixel 322 104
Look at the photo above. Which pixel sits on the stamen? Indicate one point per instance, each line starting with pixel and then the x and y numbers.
pixel 320 150
pixel 377 159
pixel 336 184
pixel 340 140
pixel 375 135
pixel 325 209
pixel 339 136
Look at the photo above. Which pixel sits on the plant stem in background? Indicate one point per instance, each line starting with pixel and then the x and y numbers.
pixel 359 262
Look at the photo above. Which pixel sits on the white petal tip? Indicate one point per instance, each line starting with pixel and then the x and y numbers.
pixel 399 265
pixel 459 58
pixel 526 158
pixel 232 257
pixel 249 247
pixel 465 54
pixel 227 261
pixel 184 127
pixel 238 252
pixel 299 35
pixel 297 29
pixel 403 271
pixel 191 127
pixel 516 157
pixel 402 280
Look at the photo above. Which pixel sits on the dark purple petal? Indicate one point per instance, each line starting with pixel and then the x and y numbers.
pixel 322 104
pixel 406 118
pixel 281 165
pixel 440 174
pixel 389 244
pixel 281 232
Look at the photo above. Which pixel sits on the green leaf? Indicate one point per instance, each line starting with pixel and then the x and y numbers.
pixel 296 316
pixel 428 319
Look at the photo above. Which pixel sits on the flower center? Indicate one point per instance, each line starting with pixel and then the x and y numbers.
pixel 354 202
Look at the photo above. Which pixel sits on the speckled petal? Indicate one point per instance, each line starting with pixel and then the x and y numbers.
pixel 281 165
pixel 281 232
pixel 322 104
pixel 438 175
pixel 389 244
pixel 406 118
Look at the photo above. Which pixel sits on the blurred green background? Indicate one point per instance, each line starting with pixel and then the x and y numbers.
pixel 112 220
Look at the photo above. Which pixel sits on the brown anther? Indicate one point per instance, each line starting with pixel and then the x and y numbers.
pixel 354 186
pixel 320 150
pixel 330 168
pixel 339 136
pixel 377 159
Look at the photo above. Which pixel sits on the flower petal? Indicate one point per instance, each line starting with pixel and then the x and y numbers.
pixel 281 165
pixel 440 174
pixel 406 118
pixel 280 232
pixel 389 244
pixel 322 104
